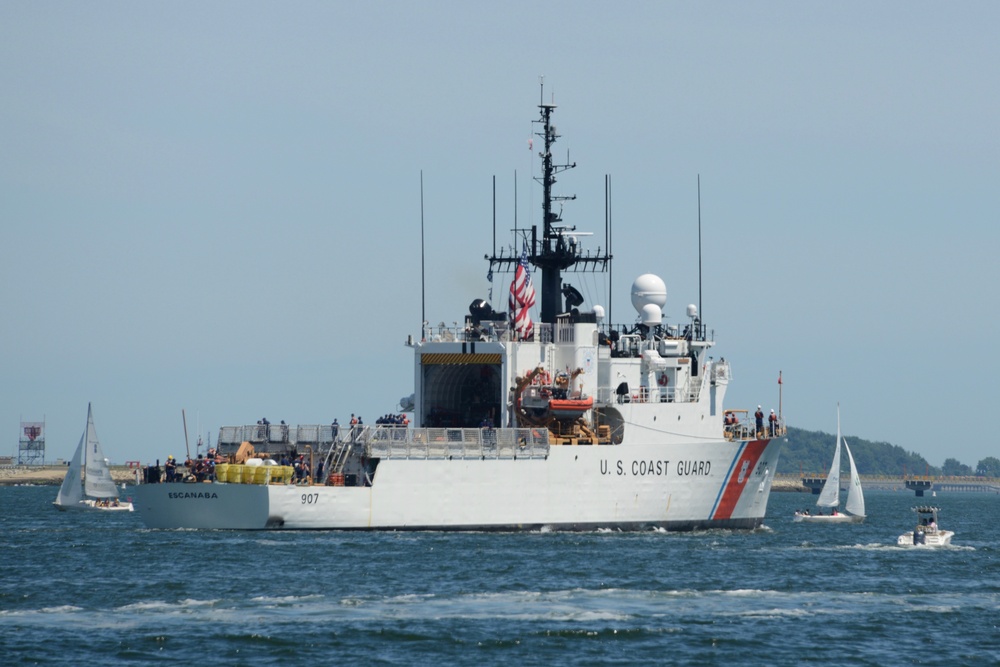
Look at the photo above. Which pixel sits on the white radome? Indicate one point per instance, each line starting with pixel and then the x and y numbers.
pixel 651 315
pixel 648 289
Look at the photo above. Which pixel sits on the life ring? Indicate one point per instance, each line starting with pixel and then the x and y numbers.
pixel 663 379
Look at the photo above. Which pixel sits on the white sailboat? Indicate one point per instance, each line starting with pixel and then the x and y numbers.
pixel 88 484
pixel 830 494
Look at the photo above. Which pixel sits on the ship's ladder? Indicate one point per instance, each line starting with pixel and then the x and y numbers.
pixel 338 456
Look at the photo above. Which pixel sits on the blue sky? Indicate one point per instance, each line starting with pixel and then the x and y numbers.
pixel 215 207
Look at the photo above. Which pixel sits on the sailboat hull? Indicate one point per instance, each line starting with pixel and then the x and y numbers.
pixel 92 506
pixel 826 518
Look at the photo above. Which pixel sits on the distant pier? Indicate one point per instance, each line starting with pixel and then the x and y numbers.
pixel 922 484
pixel 813 483
pixel 919 485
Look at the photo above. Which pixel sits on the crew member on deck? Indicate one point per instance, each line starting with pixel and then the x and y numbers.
pixel 772 422
pixel 759 416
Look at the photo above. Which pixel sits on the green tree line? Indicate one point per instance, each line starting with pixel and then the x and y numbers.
pixel 809 452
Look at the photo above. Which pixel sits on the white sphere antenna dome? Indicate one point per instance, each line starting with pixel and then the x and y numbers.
pixel 648 289
pixel 599 313
pixel 692 310
pixel 652 315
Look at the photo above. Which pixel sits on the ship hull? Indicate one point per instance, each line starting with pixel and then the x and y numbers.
pixel 675 487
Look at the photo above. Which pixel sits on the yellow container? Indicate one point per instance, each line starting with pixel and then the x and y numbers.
pixel 235 474
pixel 261 474
pixel 221 469
pixel 281 475
pixel 274 475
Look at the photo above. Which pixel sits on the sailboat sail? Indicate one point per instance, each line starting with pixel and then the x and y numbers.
pixel 855 497
pixel 71 491
pixel 830 495
pixel 98 482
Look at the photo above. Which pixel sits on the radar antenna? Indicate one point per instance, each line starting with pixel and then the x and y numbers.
pixel 555 251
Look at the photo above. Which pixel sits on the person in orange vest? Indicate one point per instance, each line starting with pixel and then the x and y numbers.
pixel 759 415
pixel 772 422
pixel 354 426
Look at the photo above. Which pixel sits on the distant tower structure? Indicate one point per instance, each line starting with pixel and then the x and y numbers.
pixel 31 444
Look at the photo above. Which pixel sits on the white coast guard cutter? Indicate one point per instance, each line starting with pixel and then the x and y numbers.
pixel 566 423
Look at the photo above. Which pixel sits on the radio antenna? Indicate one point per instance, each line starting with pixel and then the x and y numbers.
pixel 423 290
pixel 701 313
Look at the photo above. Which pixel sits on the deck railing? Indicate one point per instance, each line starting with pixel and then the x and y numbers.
pixel 391 441
pixel 457 443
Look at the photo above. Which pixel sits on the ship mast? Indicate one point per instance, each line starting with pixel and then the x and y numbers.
pixel 557 250
pixel 553 254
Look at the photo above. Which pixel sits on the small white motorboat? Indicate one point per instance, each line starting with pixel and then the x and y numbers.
pixel 927 532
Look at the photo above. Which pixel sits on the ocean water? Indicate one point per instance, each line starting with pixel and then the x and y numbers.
pixel 82 589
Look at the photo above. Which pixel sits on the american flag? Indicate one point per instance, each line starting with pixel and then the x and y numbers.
pixel 522 297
